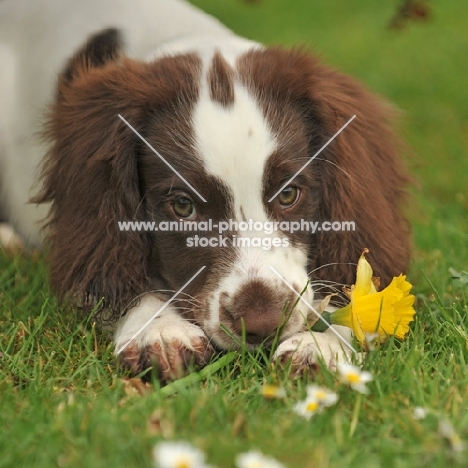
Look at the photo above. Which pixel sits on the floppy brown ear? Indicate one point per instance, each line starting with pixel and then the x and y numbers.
pixel 362 180
pixel 91 177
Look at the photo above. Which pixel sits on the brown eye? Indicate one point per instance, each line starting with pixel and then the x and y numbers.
pixel 183 207
pixel 288 196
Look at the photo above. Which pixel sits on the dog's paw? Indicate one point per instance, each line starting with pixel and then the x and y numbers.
pixel 169 351
pixel 9 239
pixel 304 351
pixel 168 345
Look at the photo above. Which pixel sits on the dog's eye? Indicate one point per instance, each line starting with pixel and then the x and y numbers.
pixel 183 207
pixel 289 196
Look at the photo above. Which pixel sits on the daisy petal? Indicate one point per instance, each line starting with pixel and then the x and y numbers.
pixel 178 455
pixel 256 459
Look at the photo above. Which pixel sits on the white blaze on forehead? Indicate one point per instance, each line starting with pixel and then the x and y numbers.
pixel 234 142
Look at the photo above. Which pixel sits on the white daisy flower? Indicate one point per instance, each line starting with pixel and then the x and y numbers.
pixel 354 377
pixel 370 341
pixel 419 412
pixel 447 431
pixel 322 395
pixel 178 455
pixel 256 459
pixel 273 391
pixel 308 407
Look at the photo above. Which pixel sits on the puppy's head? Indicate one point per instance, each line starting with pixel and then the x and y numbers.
pixel 226 142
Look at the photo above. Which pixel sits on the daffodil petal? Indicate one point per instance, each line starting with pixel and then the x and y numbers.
pixel 401 283
pixel 404 314
pixel 348 318
pixel 364 275
pixel 357 328
pixel 376 312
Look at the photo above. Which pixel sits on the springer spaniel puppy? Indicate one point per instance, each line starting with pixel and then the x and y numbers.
pixel 156 112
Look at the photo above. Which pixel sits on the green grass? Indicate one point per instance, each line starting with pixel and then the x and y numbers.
pixel 63 400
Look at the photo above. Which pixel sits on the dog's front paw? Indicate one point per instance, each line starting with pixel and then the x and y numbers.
pixel 169 353
pixel 168 344
pixel 304 351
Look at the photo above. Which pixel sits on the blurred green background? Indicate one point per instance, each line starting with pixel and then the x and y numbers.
pixel 422 67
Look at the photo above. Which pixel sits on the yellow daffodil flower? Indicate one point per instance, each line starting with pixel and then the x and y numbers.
pixel 387 312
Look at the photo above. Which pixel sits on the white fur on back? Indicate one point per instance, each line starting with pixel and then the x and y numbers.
pixel 36 40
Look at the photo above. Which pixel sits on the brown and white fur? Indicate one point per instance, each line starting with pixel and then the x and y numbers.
pixel 236 120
